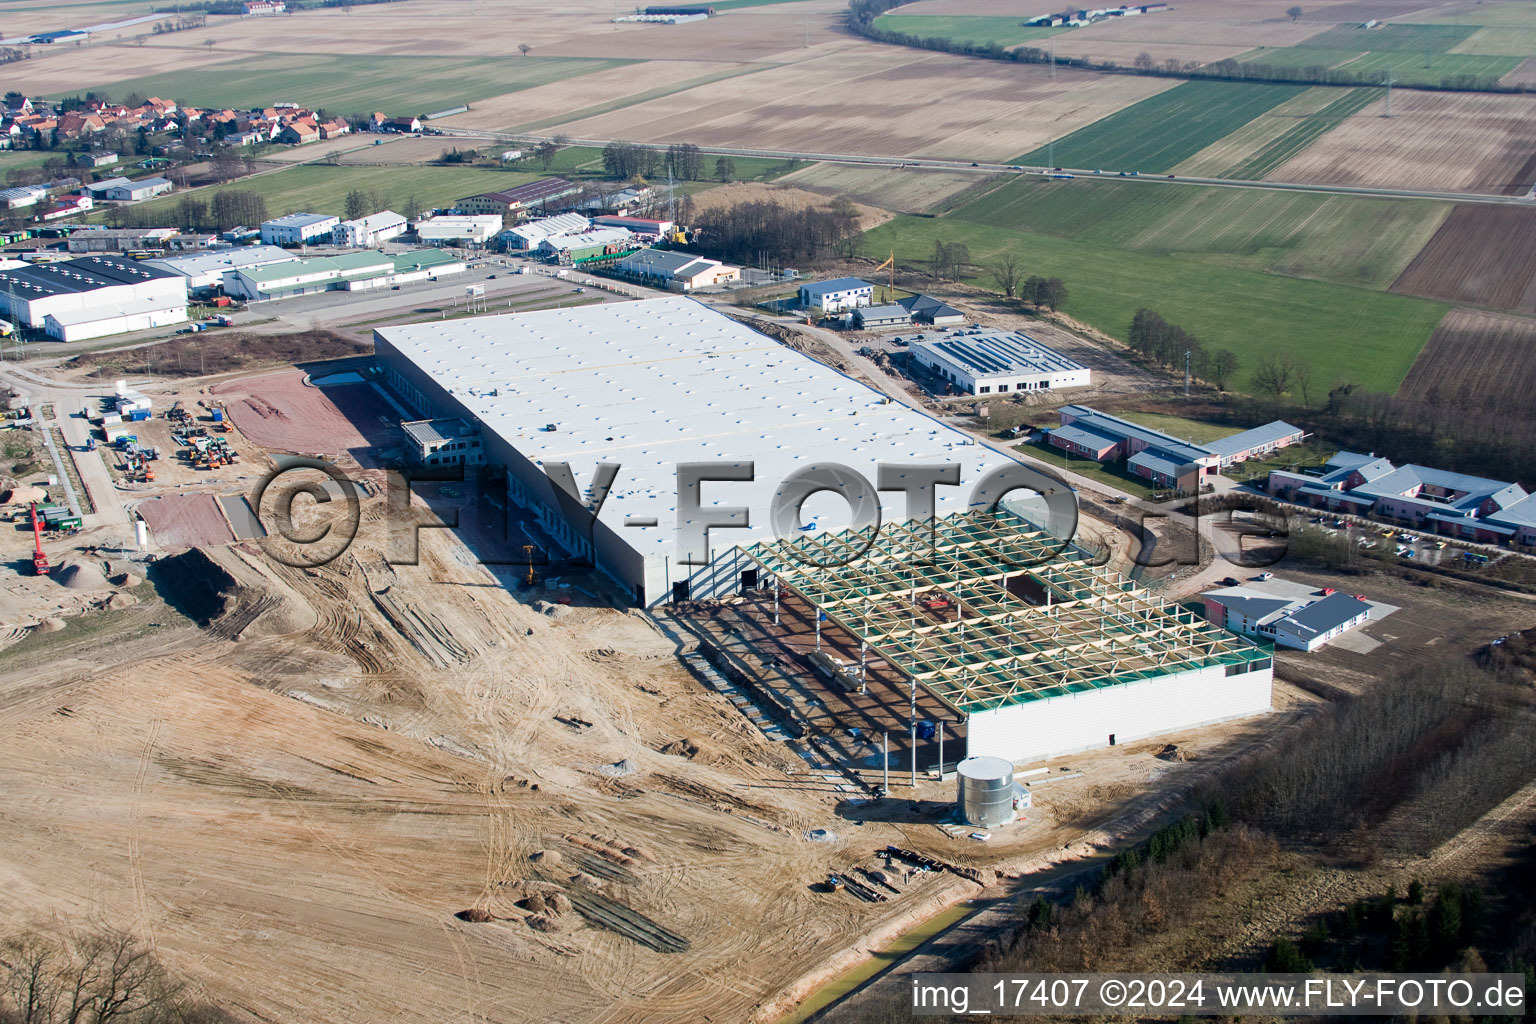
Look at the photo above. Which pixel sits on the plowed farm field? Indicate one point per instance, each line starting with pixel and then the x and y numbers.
pixel 1477 359
pixel 1444 141
pixel 1481 256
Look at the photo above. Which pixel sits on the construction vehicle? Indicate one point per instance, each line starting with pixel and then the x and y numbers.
pixel 889 265
pixel 39 560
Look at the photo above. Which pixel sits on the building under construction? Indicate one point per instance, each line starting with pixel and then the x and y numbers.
pixel 1033 649
pixel 1017 641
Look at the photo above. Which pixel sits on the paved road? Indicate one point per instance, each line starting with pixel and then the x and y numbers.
pixel 67 401
pixel 926 163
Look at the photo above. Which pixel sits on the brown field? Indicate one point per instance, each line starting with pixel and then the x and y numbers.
pixel 879 100
pixel 906 191
pixel 1166 35
pixel 612 88
pixel 1481 256
pixel 1477 359
pixel 1197 12
pixel 1456 142
pixel 56 71
pixel 1524 74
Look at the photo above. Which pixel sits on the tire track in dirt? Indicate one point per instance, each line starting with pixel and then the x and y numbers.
pixel 145 924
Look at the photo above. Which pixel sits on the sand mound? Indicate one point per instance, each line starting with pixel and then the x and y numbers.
pixel 23 495
pixel 551 858
pixel 51 625
pixel 126 579
pixel 475 915
pixel 117 602
pixel 229 593
pixel 80 576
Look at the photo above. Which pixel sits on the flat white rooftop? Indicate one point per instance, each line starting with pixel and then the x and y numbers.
pixel 985 354
pixel 659 382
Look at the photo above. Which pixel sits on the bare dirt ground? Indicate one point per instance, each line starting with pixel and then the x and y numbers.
pixel 1480 256
pixel 785 195
pixel 279 410
pixel 1475 142
pixel 864 98
pixel 181 521
pixel 1482 358
pixel 614 87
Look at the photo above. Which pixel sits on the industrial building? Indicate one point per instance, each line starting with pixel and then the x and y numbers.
pixel 1288 614
pixel 208 272
pixel 298 229
pixel 1161 458
pixel 676 271
pixel 529 234
pixel 996 362
pixel 366 232
pixel 591 244
pixel 91 296
pixel 517 203
pixel 873 318
pixel 117 239
pixel 1456 505
pixel 470 230
pixel 1035 650
pixel 353 271
pixel 836 295
pixel 927 310
pixel 121 190
pixel 446 442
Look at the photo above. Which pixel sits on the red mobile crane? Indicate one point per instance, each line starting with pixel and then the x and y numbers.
pixel 39 560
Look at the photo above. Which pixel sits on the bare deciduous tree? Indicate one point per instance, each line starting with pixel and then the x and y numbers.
pixel 1005 271
pixel 1275 375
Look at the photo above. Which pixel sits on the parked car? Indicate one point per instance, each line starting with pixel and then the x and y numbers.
pixel 1261 577
pixel 1231 581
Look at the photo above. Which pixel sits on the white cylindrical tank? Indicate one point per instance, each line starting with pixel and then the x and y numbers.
pixel 141 534
pixel 984 791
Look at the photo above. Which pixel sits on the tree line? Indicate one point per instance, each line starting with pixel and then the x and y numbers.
pixel 862 14
pixel 1167 343
pixel 768 232
pixel 683 160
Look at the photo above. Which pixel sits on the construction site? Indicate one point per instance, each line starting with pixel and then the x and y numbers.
pixel 499 747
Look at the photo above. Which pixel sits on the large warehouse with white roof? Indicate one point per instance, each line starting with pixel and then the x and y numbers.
pixel 1034 649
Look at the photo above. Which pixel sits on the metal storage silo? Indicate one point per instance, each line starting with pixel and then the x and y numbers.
pixel 985 791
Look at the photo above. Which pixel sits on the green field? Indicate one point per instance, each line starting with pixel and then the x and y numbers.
pixel 1354 240
pixel 1298 57
pixel 1197 431
pixel 1160 131
pixel 1393 38
pixel 1300 135
pixel 1110 475
pixel 319 188
pixel 356 84
pixel 970 28
pixel 1433 68
pixel 1408 67
pixel 1369 337
pixel 1502 42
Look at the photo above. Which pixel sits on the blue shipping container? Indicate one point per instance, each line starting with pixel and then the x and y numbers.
pixel 138 414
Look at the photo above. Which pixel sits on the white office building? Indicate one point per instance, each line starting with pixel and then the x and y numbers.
pixel 366 232
pixel 997 362
pixel 298 229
